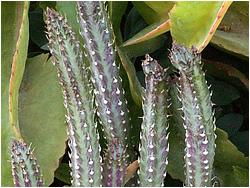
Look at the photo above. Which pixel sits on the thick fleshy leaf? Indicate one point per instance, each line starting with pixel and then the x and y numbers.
pixel 241 176
pixel 194 23
pixel 148 14
pixel 156 27
pixel 145 47
pixel 134 24
pixel 14 43
pixel 161 7
pixel 154 11
pixel 233 32
pixel 41 114
pixel 156 14
pixel 227 156
pixel 149 32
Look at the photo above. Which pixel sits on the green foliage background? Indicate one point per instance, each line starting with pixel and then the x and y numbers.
pixel 40 105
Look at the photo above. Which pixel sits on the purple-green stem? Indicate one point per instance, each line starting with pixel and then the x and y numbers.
pixel 74 78
pixel 25 168
pixel 154 146
pixel 99 45
pixel 198 116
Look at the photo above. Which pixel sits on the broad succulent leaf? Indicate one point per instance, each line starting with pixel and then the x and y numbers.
pixel 99 44
pixel 198 116
pixel 25 169
pixel 154 138
pixel 78 101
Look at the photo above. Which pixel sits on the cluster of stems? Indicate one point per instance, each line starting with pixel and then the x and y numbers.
pixel 90 83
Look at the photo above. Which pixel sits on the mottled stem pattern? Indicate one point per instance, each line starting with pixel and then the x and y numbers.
pixel 154 146
pixel 99 44
pixel 25 169
pixel 198 116
pixel 77 89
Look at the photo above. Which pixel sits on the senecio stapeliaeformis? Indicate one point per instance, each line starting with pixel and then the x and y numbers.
pixel 74 77
pixel 154 145
pixel 198 116
pixel 99 45
pixel 25 168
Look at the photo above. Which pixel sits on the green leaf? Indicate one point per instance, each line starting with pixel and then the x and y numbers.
pixel 159 13
pixel 63 173
pixel 68 9
pixel 37 28
pixel 194 23
pixel 241 176
pixel 225 72
pixel 45 4
pixel 145 47
pixel 230 123
pixel 134 84
pixel 134 23
pixel 149 32
pixel 227 156
pixel 161 7
pixel 117 9
pixel 14 39
pixel 220 97
pixel 41 114
pixel 233 32
pixel 148 14
pixel 154 11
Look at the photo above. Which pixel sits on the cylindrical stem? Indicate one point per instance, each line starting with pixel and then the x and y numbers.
pixel 198 116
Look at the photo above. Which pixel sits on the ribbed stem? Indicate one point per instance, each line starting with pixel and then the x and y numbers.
pixel 25 170
pixel 77 89
pixel 198 116
pixel 154 138
pixel 97 34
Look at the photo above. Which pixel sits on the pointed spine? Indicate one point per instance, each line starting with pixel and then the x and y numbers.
pixel 78 101
pixel 99 44
pixel 154 138
pixel 25 169
pixel 199 122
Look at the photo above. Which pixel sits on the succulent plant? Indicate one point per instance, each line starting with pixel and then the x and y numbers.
pixel 78 101
pixel 99 44
pixel 87 60
pixel 198 116
pixel 25 168
pixel 154 138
